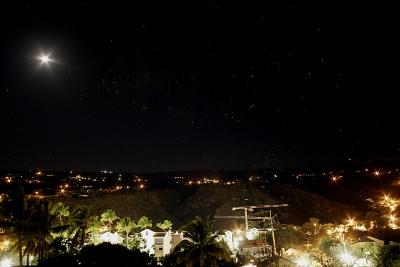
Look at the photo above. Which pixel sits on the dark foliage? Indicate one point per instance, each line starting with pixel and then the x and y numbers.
pixel 104 254
pixel 65 260
pixel 389 255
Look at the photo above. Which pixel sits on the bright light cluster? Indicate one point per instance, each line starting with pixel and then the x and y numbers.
pixel 336 178
pixel 205 180
pixel 391 204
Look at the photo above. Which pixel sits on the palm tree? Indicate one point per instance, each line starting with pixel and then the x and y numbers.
pixel 94 225
pixel 144 222
pixel 80 221
pixel 43 224
pixel 60 210
pixel 200 246
pixel 108 217
pixel 165 225
pixel 15 217
pixel 125 226
pixel 30 246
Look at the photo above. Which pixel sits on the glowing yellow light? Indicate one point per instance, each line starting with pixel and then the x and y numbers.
pixel 386 197
pixel 39 173
pixel 350 222
pixel 377 173
pixel 62 191
pixel 361 228
pixel 141 186
pixel 238 232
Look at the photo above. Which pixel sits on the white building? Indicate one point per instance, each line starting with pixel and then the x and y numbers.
pixel 113 238
pixel 157 241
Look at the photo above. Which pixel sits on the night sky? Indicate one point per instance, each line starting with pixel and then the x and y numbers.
pixel 212 85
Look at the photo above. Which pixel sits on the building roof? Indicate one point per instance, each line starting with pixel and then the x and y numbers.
pixel 157 229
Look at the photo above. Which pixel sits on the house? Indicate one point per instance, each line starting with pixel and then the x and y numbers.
pixel 157 241
pixel 176 238
pixel 113 238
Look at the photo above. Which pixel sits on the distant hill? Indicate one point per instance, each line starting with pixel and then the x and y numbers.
pixel 181 205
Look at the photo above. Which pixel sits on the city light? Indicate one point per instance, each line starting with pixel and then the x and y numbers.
pixel 391 204
pixel 335 178
pixel 392 222
pixel 350 222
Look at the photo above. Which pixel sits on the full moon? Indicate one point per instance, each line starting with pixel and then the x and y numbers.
pixel 45 59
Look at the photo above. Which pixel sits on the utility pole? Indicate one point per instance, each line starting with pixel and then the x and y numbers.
pixel 251 208
pixel 248 217
pixel 272 230
pixel 246 220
